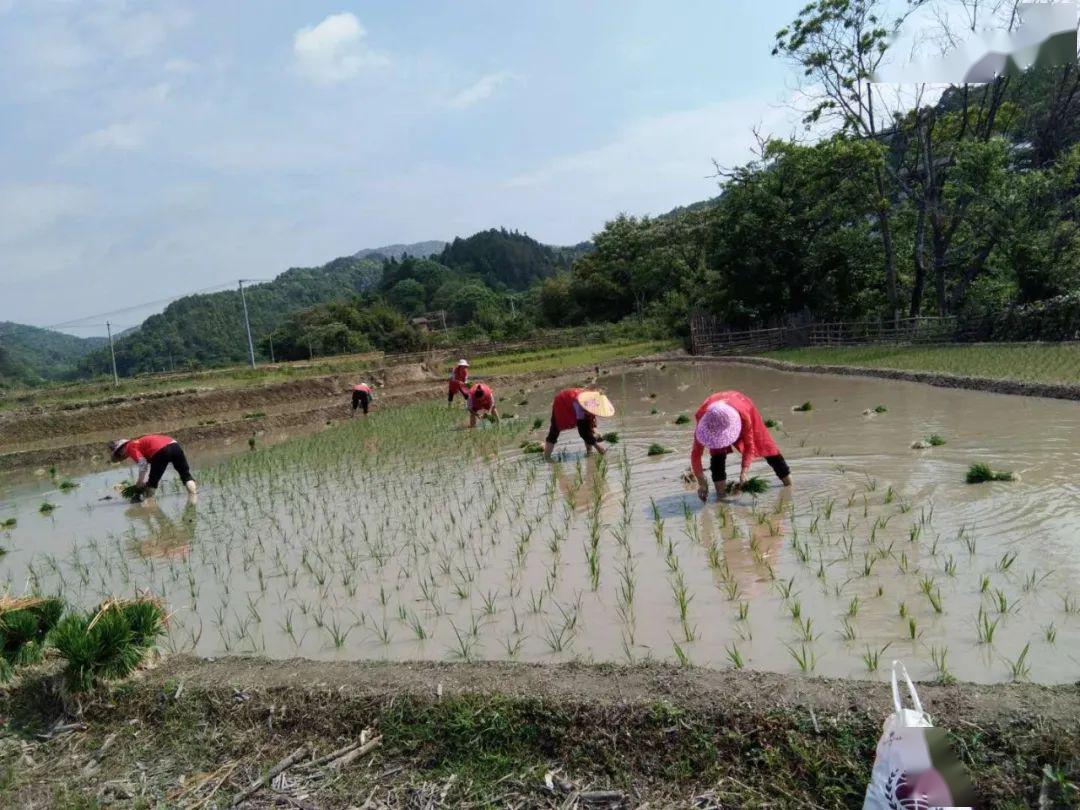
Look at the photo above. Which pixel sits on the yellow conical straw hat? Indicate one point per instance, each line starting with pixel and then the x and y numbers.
pixel 596 403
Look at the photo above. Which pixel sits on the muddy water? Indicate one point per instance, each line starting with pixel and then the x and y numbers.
pixel 401 539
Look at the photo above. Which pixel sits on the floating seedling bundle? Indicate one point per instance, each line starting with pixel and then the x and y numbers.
pixel 980 473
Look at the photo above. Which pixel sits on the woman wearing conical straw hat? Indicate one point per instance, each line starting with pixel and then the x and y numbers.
pixel 578 407
pixel 459 382
pixel 728 421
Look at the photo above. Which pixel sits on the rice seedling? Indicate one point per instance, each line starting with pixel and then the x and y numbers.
pixel 744 611
pixel 806 629
pixel 938 655
pixel 853 607
pixel 682 419
pixel 656 449
pixel 871 658
pixel 67 485
pixel 47 508
pixel 934 598
pixel 805 407
pixel 847 630
pixel 772 423
pixel 912 628
pixel 1069 603
pixel 1019 667
pixel 653 411
pixel 985 628
pixel 753 485
pixel 1001 601
pixel 806 659
pixel 734 656
pixel 1006 561
pixel 981 473
pixel 1050 633
pixel 680 654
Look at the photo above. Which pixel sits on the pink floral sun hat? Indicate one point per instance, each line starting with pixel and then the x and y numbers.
pixel 719 426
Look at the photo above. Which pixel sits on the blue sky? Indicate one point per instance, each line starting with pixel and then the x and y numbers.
pixel 152 148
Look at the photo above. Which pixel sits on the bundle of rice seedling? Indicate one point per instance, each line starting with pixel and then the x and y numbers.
pixel 537 423
pixel 773 423
pixel 881 409
pixel 108 643
pixel 611 437
pixel 532 447
pixel 24 624
pixel 47 508
pixel 129 491
pixel 981 473
pixel 934 440
pixel 682 419
pixel 657 449
pixel 806 406
pixel 654 411
pixel 67 485
pixel 754 485
pixel 9 523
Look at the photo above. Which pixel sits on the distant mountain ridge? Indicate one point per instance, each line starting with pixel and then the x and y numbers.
pixel 31 353
pixel 419 249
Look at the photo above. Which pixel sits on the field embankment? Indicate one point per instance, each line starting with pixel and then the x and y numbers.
pixel 196 733
pixel 1039 370
pixel 75 430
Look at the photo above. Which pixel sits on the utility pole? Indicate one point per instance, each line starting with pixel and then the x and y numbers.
pixel 247 323
pixel 270 337
pixel 112 351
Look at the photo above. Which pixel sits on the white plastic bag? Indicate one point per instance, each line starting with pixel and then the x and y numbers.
pixel 914 768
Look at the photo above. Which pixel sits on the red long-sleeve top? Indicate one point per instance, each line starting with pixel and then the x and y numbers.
pixel 362 387
pixel 481 398
pixel 565 411
pixel 754 441
pixel 145 447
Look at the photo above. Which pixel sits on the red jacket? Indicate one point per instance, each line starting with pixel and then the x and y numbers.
pixel 481 398
pixel 362 387
pixel 562 409
pixel 146 447
pixel 754 441
pixel 460 373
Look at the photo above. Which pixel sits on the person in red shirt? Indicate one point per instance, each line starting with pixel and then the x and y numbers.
pixel 361 397
pixel 728 420
pixel 578 407
pixel 481 400
pixel 152 454
pixel 459 379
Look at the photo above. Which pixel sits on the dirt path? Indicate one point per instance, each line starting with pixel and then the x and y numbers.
pixel 201 416
pixel 195 733
pixel 996 386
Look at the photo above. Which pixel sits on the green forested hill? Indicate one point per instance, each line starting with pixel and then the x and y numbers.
pixel 502 258
pixel 208 329
pixel 29 353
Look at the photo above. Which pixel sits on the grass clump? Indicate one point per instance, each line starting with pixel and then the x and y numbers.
pixel 611 437
pixel 804 408
pixel 682 419
pixel 532 447
pixel 108 643
pixel 658 449
pixel 980 473
pixel 24 625
pixel 754 485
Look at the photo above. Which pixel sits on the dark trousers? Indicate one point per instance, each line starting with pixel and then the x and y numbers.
pixel 718 463
pixel 360 399
pixel 169 454
pixel 584 429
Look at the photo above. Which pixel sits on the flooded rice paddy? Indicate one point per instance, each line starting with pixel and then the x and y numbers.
pixel 400 537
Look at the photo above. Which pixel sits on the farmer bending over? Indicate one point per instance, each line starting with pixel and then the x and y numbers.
pixel 481 401
pixel 361 397
pixel 459 379
pixel 153 454
pixel 578 407
pixel 729 420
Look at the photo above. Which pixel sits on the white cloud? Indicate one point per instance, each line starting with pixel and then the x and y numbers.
pixel 122 136
pixel 659 162
pixel 334 50
pixel 481 90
